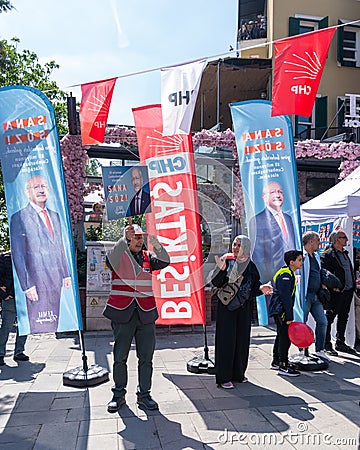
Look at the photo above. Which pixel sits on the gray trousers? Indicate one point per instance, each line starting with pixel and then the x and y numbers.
pixel 144 335
pixel 8 319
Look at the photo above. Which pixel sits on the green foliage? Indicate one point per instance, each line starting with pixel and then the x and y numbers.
pixel 5 6
pixel 23 68
pixel 81 261
pixel 94 233
pixel 93 167
pixel 112 230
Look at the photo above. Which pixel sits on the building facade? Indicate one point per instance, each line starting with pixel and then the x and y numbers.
pixel 336 113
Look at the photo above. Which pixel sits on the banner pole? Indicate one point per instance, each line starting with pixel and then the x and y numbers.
pixel 85 376
pixel 84 357
pixel 206 348
pixel 202 365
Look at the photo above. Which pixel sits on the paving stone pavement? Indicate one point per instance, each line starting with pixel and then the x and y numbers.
pixel 315 410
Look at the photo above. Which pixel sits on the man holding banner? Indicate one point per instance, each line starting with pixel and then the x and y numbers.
pixel 132 310
pixel 39 257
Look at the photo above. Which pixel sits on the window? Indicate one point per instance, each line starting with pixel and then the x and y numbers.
pixel 313 127
pixel 304 127
pixel 307 26
pixel 349 45
pixel 304 24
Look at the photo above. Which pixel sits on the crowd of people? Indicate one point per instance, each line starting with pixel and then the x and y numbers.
pixel 253 29
pixel 333 274
pixel 236 279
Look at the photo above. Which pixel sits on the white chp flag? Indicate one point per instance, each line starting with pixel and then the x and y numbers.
pixel 179 89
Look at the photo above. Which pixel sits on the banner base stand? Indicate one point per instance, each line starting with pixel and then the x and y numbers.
pixel 85 376
pixel 305 362
pixel 199 364
pixel 78 377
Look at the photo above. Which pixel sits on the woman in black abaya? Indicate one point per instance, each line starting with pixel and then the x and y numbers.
pixel 233 323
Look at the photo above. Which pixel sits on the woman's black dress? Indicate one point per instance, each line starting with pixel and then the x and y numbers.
pixel 232 338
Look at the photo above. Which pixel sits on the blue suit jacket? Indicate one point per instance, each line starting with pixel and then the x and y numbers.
pixel 39 261
pixel 269 243
pixel 144 204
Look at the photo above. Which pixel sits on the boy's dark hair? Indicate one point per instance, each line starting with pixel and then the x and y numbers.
pixel 291 255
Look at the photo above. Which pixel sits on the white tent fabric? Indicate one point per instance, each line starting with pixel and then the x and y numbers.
pixel 342 200
pixel 339 205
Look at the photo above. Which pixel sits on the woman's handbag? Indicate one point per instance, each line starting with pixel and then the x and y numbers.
pixel 227 292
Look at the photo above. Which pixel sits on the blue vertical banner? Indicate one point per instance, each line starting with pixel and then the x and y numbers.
pixel 42 248
pixel 356 234
pixel 269 180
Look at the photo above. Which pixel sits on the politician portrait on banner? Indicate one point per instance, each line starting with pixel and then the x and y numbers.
pixel 126 191
pixel 45 278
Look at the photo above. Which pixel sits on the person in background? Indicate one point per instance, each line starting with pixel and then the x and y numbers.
pixel 233 322
pixel 132 310
pixel 336 260
pixel 312 280
pixel 97 212
pixel 281 308
pixel 7 296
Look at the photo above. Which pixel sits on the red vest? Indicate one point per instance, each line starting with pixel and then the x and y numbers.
pixel 127 287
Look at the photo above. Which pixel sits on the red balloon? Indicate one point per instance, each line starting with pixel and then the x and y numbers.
pixel 300 334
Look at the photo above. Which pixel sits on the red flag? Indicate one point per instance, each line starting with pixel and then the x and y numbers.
pixel 299 62
pixel 174 218
pixel 94 110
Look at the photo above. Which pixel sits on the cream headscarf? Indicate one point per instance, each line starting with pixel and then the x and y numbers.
pixel 240 265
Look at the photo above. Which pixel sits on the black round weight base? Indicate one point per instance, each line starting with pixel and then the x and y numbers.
pixel 308 363
pixel 79 378
pixel 200 365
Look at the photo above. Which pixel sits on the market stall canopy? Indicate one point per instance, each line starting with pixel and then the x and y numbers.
pixel 342 200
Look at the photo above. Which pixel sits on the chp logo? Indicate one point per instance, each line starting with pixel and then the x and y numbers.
pixel 305 67
pixel 175 164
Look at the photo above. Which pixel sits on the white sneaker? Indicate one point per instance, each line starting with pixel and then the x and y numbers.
pixel 322 355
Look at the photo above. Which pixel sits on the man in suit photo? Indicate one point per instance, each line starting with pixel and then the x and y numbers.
pixel 141 201
pixel 272 232
pixel 39 257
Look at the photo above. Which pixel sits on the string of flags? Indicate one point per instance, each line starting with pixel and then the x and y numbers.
pixel 298 65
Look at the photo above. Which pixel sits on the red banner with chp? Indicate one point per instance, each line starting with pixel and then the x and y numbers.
pixel 299 63
pixel 179 288
pixel 94 110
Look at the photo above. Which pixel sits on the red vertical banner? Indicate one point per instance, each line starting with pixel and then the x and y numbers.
pixel 179 288
pixel 94 110
pixel 299 64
